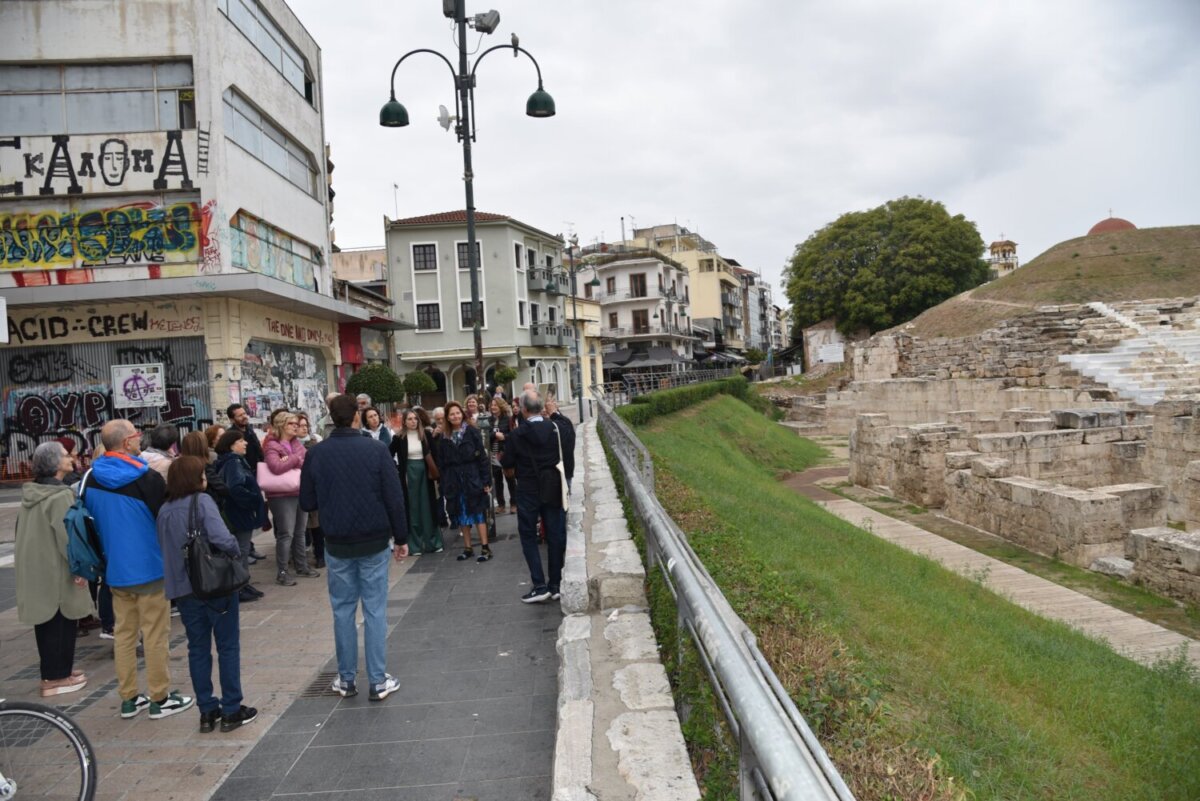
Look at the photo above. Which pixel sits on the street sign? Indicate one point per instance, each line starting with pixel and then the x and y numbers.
pixel 136 385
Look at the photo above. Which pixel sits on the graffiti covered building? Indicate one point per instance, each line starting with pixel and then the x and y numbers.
pixel 164 217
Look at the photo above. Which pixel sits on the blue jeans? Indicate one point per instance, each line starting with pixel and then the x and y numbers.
pixel 205 621
pixel 365 578
pixel 528 510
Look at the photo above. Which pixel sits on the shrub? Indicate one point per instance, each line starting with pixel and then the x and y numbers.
pixel 646 407
pixel 377 380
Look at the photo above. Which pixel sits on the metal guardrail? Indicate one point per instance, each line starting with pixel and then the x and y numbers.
pixel 618 393
pixel 780 758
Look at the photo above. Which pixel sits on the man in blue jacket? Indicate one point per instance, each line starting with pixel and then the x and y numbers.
pixel 352 481
pixel 123 495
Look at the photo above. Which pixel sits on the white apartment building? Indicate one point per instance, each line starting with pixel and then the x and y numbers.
pixel 164 202
pixel 522 287
pixel 645 311
pixel 756 310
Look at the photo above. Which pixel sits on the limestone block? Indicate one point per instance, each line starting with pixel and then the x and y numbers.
pixel 991 467
pixel 614 592
pixel 1075 419
pixel 963 416
pixel 609 530
pixel 652 757
pixel 960 460
pixel 1102 435
pixel 872 420
pixel 1113 566
pixel 573 751
pixel 1128 450
pixel 1136 432
pixel 1192 470
pixel 1035 424
pixel 574 671
pixel 644 685
pixel 1107 418
pixel 996 443
pixel 609 509
pixel 630 637
pixel 1174 408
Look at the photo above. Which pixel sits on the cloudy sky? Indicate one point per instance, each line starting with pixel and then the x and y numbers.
pixel 756 122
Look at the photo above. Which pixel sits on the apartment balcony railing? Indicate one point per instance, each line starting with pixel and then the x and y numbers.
pixel 647 331
pixel 549 335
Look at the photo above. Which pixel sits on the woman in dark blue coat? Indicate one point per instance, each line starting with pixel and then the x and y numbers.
pixel 466 478
pixel 244 506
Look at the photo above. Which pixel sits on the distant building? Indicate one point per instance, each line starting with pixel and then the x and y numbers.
pixel 1110 224
pixel 1003 258
pixel 645 311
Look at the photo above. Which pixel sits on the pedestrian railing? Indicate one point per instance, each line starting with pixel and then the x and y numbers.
pixel 618 393
pixel 779 757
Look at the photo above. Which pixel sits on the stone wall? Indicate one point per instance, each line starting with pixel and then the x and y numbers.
pixel 1166 561
pixel 1173 457
pixel 1075 525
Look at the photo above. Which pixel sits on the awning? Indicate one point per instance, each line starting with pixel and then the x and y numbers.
pixel 617 357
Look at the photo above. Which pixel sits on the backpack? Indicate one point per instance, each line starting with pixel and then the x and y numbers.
pixel 85 554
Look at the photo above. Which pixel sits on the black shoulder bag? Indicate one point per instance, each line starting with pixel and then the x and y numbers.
pixel 212 572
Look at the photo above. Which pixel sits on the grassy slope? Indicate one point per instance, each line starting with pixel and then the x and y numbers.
pixel 1124 265
pixel 1016 706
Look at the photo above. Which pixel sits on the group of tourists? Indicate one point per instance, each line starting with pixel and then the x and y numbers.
pixel 357 493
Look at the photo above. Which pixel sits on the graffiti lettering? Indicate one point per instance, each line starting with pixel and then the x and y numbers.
pixel 298 332
pixel 99 326
pixel 176 373
pixel 60 167
pixel 32 162
pixel 143 160
pixel 114 161
pixel 134 233
pixel 40 368
pixel 173 162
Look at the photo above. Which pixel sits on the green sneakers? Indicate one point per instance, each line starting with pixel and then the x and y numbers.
pixel 173 704
pixel 131 708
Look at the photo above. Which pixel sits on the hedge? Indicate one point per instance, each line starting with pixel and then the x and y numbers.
pixel 646 407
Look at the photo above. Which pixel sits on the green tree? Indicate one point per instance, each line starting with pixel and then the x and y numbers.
pixel 417 383
pixel 879 268
pixel 377 380
pixel 755 356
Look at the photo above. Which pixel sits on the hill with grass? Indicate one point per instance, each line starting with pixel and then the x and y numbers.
pixel 1111 267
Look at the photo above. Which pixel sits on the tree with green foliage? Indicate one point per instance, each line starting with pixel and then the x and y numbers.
pixel 755 356
pixel 504 375
pixel 879 268
pixel 377 380
pixel 417 383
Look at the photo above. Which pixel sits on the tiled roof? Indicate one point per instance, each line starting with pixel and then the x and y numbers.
pixel 451 217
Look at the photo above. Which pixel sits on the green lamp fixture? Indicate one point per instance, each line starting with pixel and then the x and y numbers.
pixel 540 103
pixel 394 114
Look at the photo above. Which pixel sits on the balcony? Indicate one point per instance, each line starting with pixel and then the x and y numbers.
pixel 558 283
pixel 547 335
pixel 646 331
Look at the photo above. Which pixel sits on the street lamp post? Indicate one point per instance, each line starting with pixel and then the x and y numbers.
pixel 573 243
pixel 540 104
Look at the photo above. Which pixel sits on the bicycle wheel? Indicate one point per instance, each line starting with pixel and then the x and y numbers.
pixel 43 754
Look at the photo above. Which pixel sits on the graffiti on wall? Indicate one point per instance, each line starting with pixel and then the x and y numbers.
pixel 50 392
pixel 275 375
pixel 262 248
pixel 38 327
pixel 142 232
pixel 66 164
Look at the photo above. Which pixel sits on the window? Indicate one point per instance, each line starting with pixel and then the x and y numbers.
pixel 97 98
pixel 610 285
pixel 612 320
pixel 250 18
pixel 641 321
pixel 462 256
pixel 264 140
pixel 533 313
pixel 531 258
pixel 464 311
pixel 551 311
pixel 706 265
pixel 424 257
pixel 637 285
pixel 521 312
pixel 517 260
pixel 587 290
pixel 549 261
pixel 429 316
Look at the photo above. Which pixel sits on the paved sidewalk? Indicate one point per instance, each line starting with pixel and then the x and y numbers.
pixel 474 716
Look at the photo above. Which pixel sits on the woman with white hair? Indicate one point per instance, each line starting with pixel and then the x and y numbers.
pixel 49 598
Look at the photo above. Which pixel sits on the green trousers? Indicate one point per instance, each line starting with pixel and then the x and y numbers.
pixel 423 535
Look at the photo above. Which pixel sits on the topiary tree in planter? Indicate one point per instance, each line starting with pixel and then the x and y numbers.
pixel 377 380
pixel 416 383
pixel 504 376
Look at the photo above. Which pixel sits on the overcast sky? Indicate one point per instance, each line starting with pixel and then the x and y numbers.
pixel 757 122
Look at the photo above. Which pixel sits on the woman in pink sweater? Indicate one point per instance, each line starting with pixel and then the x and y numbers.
pixel 284 456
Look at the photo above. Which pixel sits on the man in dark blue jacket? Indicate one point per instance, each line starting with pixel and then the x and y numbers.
pixel 531 452
pixel 352 481
pixel 123 495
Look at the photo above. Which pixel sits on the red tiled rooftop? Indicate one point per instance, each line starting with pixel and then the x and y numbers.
pixel 450 217
pixel 1112 224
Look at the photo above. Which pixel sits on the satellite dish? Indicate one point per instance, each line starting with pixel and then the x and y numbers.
pixel 444 118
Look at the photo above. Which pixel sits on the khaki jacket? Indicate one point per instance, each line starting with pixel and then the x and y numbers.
pixel 44 583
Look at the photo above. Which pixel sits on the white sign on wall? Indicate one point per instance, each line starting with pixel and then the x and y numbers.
pixel 137 385
pixel 3 321
pixel 831 354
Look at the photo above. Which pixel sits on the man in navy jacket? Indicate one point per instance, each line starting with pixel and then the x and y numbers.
pixel 352 481
pixel 123 496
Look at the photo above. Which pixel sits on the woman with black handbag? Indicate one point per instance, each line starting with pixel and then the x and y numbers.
pixel 190 512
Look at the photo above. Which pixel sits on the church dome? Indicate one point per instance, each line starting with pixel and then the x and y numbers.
pixel 1112 224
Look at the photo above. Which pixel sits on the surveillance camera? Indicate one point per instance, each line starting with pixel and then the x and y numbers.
pixel 488 22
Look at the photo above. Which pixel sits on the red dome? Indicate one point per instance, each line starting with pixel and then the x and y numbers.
pixel 1112 224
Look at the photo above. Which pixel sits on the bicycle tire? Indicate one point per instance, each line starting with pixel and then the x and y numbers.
pixel 23 728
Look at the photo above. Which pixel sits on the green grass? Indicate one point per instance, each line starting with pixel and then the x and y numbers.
pixel 1013 706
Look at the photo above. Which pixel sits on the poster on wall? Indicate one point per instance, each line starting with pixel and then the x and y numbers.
pixel 138 385
pixel 308 395
pixel 3 321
